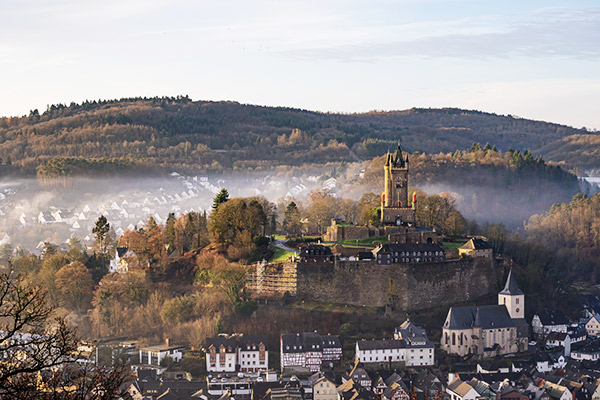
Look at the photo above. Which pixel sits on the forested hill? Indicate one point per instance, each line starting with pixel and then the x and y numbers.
pixel 141 133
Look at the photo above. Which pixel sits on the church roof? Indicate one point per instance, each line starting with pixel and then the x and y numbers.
pixel 511 287
pixel 484 317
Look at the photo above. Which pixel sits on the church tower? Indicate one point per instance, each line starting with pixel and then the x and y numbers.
pixel 512 297
pixel 395 207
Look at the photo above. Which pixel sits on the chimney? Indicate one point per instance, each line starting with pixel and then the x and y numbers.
pixel 167 342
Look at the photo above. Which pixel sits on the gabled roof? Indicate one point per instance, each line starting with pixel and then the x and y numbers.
pixel 552 317
pixel 459 387
pixel 220 340
pixel 476 244
pixel 252 340
pixel 381 344
pixel 485 317
pixel 511 287
pixel 399 247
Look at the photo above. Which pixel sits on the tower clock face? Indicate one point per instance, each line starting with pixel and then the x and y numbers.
pixel 517 310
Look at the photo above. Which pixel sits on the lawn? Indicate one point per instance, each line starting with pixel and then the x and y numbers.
pixel 367 241
pixel 279 254
pixel 451 245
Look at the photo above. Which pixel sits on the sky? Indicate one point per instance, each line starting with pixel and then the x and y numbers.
pixel 532 59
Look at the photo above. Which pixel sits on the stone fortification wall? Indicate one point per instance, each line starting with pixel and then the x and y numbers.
pixel 411 286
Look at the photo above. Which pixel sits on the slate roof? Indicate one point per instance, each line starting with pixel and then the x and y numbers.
pixel 252 340
pixel 560 336
pixel 220 340
pixel 305 341
pixel 399 247
pixel 485 317
pixel 511 287
pixel 121 251
pixel 381 344
pixel 552 317
pixel 259 389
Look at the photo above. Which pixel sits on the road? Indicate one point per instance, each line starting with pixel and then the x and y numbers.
pixel 281 244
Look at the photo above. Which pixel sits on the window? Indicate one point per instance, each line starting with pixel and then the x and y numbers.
pixel 517 300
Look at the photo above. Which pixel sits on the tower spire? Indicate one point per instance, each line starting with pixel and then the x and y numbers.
pixel 511 286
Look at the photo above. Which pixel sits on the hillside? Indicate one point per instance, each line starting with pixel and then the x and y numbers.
pixel 137 134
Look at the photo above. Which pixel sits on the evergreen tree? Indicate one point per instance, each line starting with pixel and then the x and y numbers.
pixel 101 230
pixel 291 220
pixel 220 198
pixel 170 232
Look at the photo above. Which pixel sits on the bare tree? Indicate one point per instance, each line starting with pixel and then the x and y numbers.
pixel 38 351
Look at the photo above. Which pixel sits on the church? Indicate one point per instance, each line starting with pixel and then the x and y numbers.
pixel 488 331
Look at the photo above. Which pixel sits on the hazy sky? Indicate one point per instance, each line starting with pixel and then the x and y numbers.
pixel 534 59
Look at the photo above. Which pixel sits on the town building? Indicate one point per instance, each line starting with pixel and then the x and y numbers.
pixel 322 387
pixel 488 330
pixel 419 349
pixel 392 253
pixel 475 248
pixel 309 350
pixel 592 327
pixel 546 321
pixel 221 354
pixel 253 354
pixel 154 355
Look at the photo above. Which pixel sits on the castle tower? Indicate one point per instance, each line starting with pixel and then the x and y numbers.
pixel 512 297
pixel 395 207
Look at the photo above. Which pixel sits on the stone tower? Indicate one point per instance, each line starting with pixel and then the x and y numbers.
pixel 395 206
pixel 512 297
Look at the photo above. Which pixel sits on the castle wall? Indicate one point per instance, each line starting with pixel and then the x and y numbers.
pixel 411 286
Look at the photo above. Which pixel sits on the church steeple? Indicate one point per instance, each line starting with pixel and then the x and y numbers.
pixel 511 287
pixel 512 297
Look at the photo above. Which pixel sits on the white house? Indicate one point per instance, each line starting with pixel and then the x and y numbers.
pixel 589 351
pixel 253 355
pixel 153 355
pixel 559 339
pixel 380 351
pixel 221 354
pixel 547 321
pixel 121 262
pixel 419 349
pixel 309 350
pixel 4 238
pixel 45 218
pixel 459 390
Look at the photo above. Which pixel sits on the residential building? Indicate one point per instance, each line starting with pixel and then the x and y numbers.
pixel 154 355
pixel 221 354
pixel 253 354
pixel 309 350
pixel 380 351
pixel 559 339
pixel 459 390
pixel 475 248
pixel 323 388
pixel 316 253
pixel 547 321
pixel 587 351
pixel 391 253
pixel 592 327
pixel 419 349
